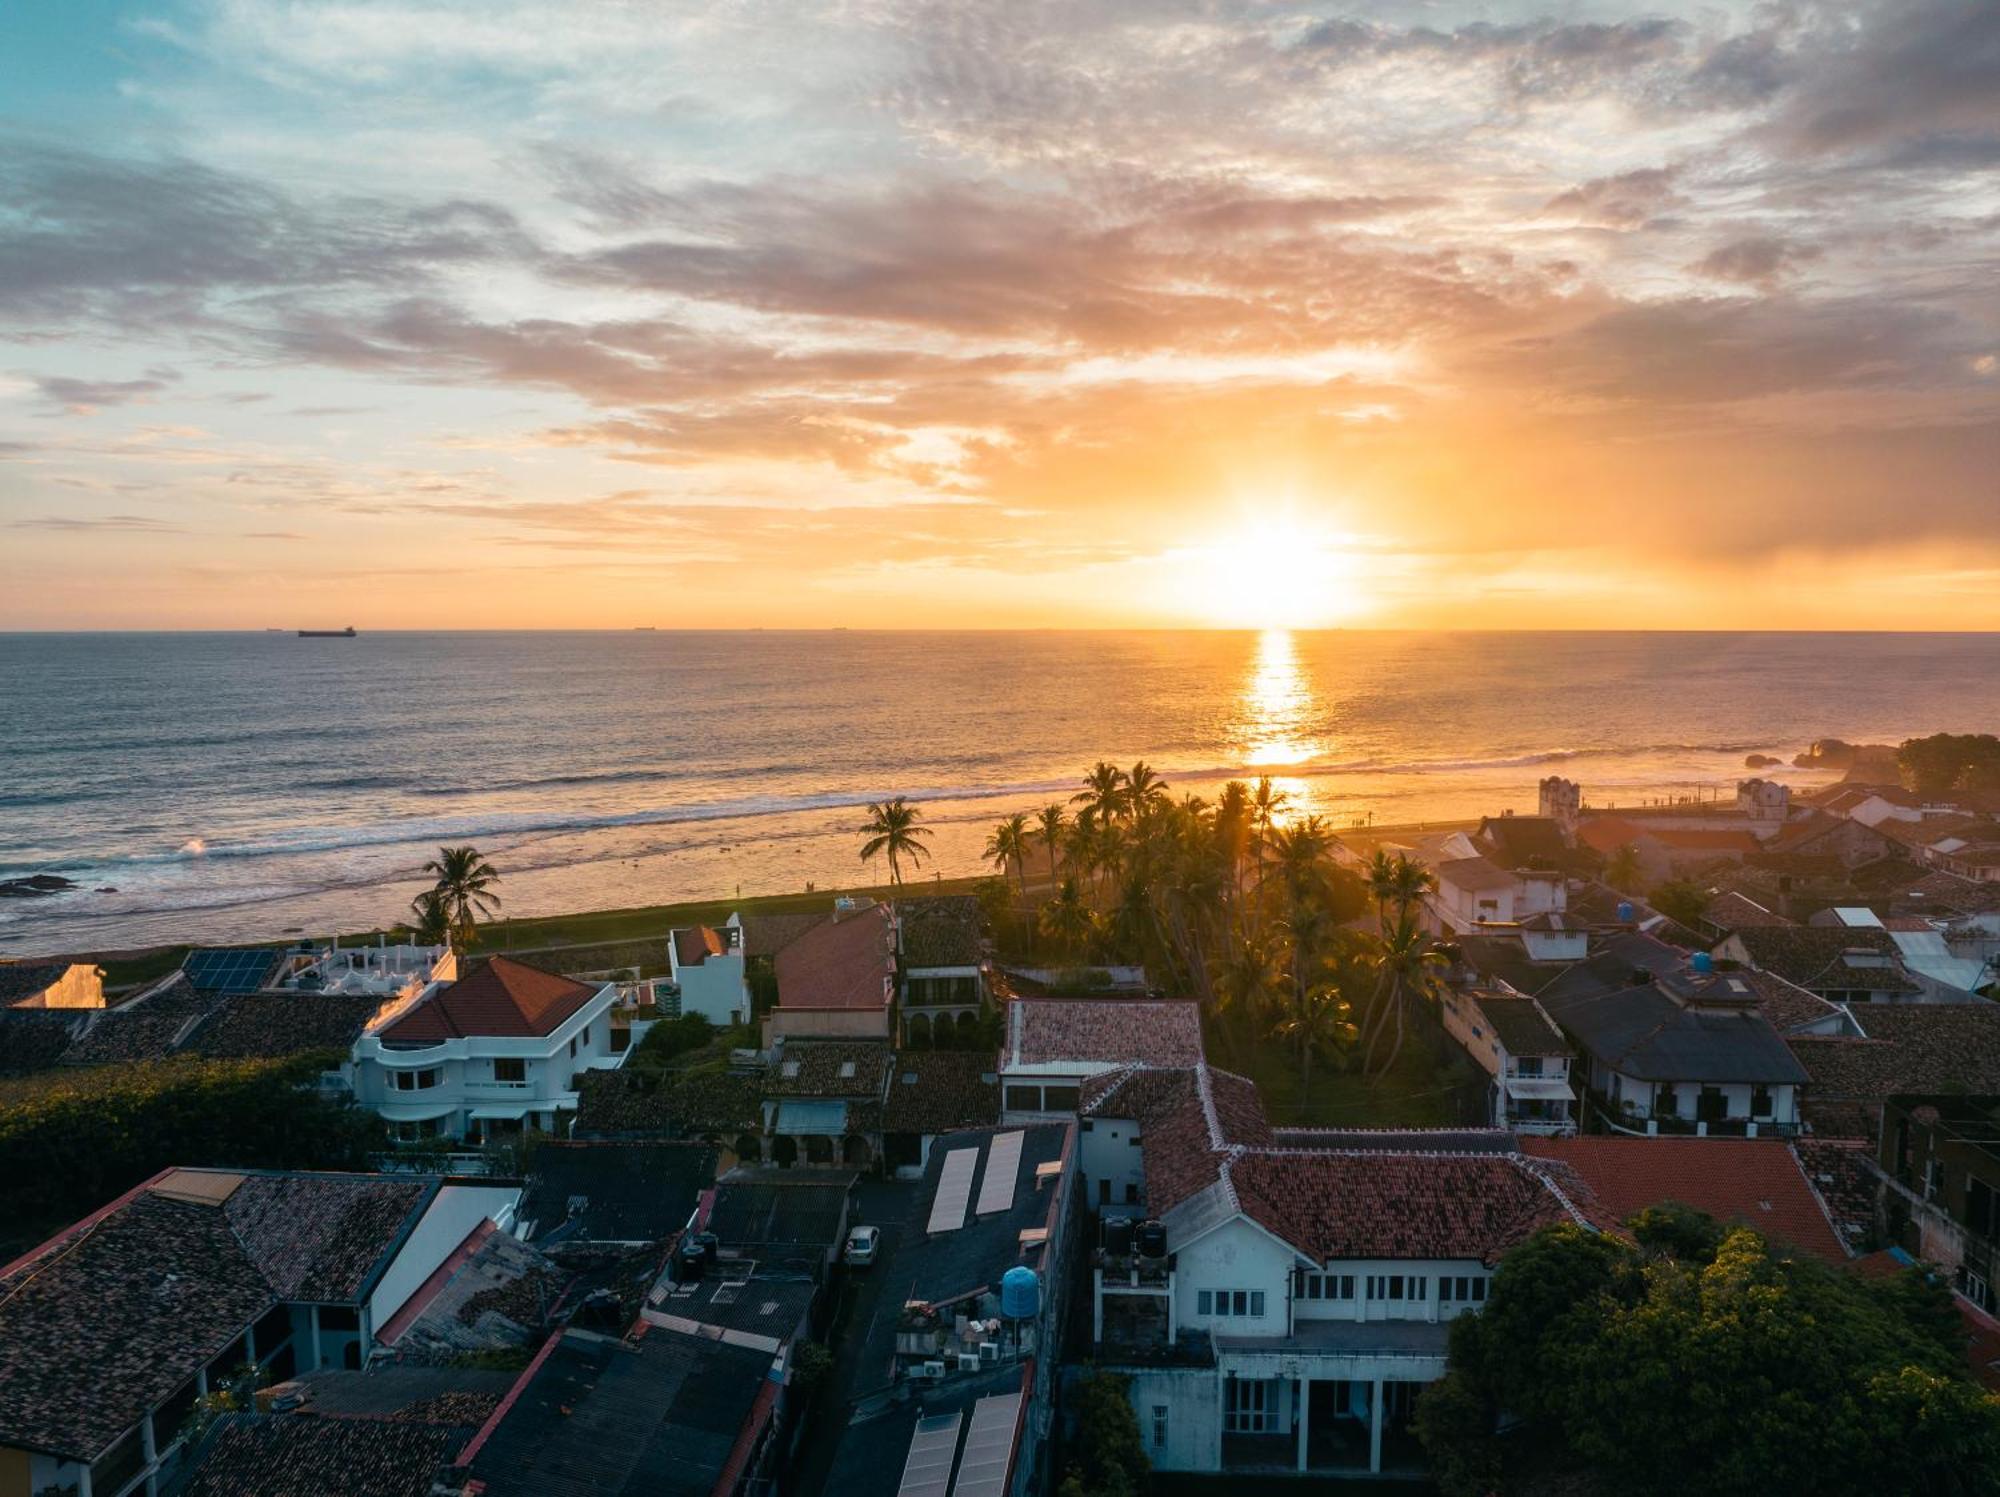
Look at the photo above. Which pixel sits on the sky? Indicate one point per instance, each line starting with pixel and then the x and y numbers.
pixel 1044 313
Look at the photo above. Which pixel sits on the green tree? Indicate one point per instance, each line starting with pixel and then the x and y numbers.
pixel 1145 791
pixel 1069 920
pixel 1622 872
pixel 1007 848
pixel 1680 899
pixel 465 885
pixel 1950 761
pixel 1107 1457
pixel 894 829
pixel 432 926
pixel 1103 793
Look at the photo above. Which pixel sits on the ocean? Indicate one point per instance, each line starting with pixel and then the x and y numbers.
pixel 224 787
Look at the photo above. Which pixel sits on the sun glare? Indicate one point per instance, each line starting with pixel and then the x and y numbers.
pixel 1274 574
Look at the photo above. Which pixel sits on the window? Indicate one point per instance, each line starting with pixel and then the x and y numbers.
pixel 1712 1106
pixel 1159 1426
pixel 1059 1099
pixel 1104 1192
pixel 1334 1286
pixel 1528 1065
pixel 1462 1289
pixel 409 1133
pixel 1395 1286
pixel 1131 1193
pixel 1019 1098
pixel 413 1081
pixel 510 1069
pixel 572 1047
pixel 1248 1407
pixel 1230 1303
pixel 1665 1103
pixel 1760 1101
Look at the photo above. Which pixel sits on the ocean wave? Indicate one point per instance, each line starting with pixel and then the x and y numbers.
pixel 555 821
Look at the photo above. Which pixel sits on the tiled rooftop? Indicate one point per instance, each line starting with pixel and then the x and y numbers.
pixel 843 963
pixel 321 1238
pixel 1377 1205
pixel 943 931
pixel 1812 956
pixel 1911 1047
pixel 1755 1181
pixel 503 997
pixel 829 1068
pixel 934 1091
pixel 300 1455
pixel 632 1100
pixel 1103 1031
pixel 1731 910
pixel 19 980
pixel 265 1025
pixel 1521 1026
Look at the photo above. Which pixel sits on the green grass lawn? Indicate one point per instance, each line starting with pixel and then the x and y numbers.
pixel 1419 1093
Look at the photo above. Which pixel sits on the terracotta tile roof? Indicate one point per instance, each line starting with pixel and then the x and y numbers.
pixel 667 1102
pixel 1376 1205
pixel 1103 1031
pixel 1607 834
pixel 1521 1026
pixel 945 931
pixel 1786 1005
pixel 767 934
pixel 1813 956
pixel 252 1026
pixel 1911 1047
pixel 1474 873
pixel 1731 910
pixel 847 963
pixel 1951 892
pixel 1755 1181
pixel 502 998
pixel 106 1323
pixel 1839 1171
pixel 828 1068
pixel 298 1455
pixel 697 944
pixel 935 1091
pixel 323 1238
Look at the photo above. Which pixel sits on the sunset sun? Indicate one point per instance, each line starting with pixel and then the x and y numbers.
pixel 1277 573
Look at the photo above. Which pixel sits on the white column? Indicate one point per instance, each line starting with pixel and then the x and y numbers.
pixel 1173 1309
pixel 83 1480
pixel 1375 1427
pixel 1303 1394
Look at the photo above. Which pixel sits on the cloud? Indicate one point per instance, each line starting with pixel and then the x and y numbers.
pixel 1626 201
pixel 1762 261
pixel 84 397
pixel 144 524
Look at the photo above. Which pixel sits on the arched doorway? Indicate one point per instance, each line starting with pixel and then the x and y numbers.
pixel 918 1029
pixel 784 1151
pixel 854 1150
pixel 749 1148
pixel 819 1149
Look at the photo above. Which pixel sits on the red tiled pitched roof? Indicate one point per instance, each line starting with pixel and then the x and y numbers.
pixel 1609 833
pixel 697 944
pixel 1373 1205
pixel 843 963
pixel 1106 1031
pixel 502 998
pixel 1758 1182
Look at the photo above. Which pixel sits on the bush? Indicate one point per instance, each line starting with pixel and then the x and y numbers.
pixel 670 1039
pixel 1106 1458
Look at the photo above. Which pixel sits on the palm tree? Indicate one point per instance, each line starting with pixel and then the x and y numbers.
pixel 1249 983
pixel 1069 918
pixel 1266 802
pixel 1408 965
pixel 1103 792
pixel 1049 824
pixel 1322 1020
pixel 893 828
pixel 465 883
pixel 1145 791
pixel 1382 881
pixel 433 922
pixel 1008 848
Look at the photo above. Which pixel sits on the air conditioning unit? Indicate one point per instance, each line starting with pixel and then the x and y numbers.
pixel 989 1351
pixel 934 1371
pixel 968 1361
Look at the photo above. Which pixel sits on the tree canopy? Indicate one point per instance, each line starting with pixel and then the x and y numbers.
pixel 1950 761
pixel 1697 1359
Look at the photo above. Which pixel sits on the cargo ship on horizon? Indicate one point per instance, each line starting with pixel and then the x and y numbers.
pixel 347 633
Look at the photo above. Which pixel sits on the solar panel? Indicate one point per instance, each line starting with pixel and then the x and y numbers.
pixel 927 1473
pixel 1003 1163
pixel 989 1447
pixel 228 969
pixel 954 1189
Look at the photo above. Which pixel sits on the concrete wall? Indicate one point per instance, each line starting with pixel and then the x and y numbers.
pixel 451 1217
pixel 1234 1256
pixel 1192 1397
pixel 1108 1151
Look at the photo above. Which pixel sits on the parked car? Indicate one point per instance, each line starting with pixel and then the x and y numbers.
pixel 861 1245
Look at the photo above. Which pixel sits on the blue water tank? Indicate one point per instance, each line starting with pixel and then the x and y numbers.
pixel 1020 1293
pixel 1624 912
pixel 1703 964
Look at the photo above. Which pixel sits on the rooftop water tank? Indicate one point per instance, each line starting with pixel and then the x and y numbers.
pixel 1118 1236
pixel 1020 1293
pixel 1703 964
pixel 1624 912
pixel 1152 1240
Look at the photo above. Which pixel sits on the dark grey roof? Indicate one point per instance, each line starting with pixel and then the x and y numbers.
pixel 20 980
pixel 613 1191
pixel 875 1448
pixel 1813 956
pixel 1524 841
pixel 774 1215
pixel 1640 1030
pixel 1521 1026
pixel 944 931
pixel 430 1395
pixel 602 1417
pixel 290 1455
pixel 943 1267
pixel 769 1306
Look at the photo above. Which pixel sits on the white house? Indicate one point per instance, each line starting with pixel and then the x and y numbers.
pixel 1476 893
pixel 1290 1294
pixel 1519 1046
pixel 706 964
pixel 494 1052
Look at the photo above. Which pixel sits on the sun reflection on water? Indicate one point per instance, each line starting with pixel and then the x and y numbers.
pixel 1278 707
